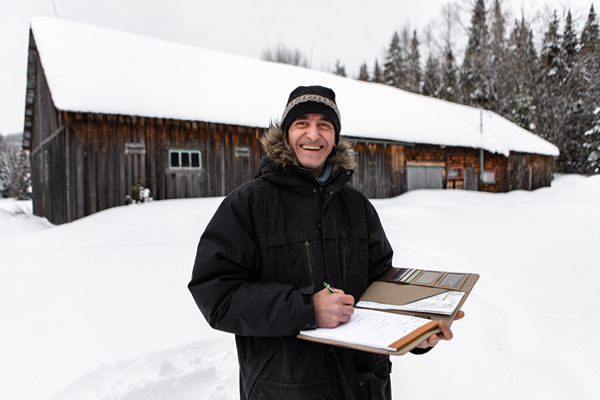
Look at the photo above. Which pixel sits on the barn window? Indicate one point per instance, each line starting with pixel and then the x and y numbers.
pixel 489 177
pixel 455 173
pixel 135 148
pixel 242 151
pixel 185 159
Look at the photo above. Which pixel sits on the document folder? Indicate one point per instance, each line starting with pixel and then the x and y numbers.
pixel 398 287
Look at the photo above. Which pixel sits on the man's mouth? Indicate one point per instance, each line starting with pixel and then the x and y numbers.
pixel 311 147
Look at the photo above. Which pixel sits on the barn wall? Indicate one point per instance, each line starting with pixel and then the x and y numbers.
pixel 102 167
pixel 528 171
pixel 467 158
pixel 45 138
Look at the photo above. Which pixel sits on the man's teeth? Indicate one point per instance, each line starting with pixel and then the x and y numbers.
pixel 307 147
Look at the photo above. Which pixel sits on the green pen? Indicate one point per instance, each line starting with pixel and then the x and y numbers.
pixel 332 290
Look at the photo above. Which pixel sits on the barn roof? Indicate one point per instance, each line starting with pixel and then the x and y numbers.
pixel 98 70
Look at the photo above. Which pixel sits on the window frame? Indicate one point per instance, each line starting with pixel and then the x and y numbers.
pixel 190 153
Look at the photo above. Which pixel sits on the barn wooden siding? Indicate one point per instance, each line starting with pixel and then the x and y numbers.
pixel 102 170
pixel 381 171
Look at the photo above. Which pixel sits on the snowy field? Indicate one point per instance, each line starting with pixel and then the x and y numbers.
pixel 99 309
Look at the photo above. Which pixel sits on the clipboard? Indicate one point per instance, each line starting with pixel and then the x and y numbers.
pixel 400 286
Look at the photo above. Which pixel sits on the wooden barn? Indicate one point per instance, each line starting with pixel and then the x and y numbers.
pixel 107 110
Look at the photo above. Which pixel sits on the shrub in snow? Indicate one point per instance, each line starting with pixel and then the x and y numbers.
pixel 139 193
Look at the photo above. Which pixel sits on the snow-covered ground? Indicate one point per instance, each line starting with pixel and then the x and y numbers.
pixel 99 309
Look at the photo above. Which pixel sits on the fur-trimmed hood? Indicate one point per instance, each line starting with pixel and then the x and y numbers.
pixel 277 149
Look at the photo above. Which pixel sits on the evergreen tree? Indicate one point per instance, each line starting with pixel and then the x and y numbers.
pixel 520 56
pixel 589 36
pixel 339 69
pixel 569 43
pixel 377 73
pixel 363 75
pixel 498 68
pixel 449 90
pixel 432 82
pixel 15 176
pixel 393 69
pixel 413 76
pixel 549 76
pixel 592 145
pixel 581 96
pixel 475 85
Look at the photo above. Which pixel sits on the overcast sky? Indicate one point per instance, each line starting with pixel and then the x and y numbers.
pixel 351 31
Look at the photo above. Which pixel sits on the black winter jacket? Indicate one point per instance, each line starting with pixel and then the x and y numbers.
pixel 270 246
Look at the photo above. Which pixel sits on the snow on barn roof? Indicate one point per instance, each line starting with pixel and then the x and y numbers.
pixel 98 70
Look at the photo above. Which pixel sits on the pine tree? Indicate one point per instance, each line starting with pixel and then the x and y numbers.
pixel 569 43
pixel 377 73
pixel 363 75
pixel 498 68
pixel 520 56
pixel 549 98
pixel 449 90
pixel 432 82
pixel 592 145
pixel 15 176
pixel 413 76
pixel 393 73
pixel 339 69
pixel 581 93
pixel 475 85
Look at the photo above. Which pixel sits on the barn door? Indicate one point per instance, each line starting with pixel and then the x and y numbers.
pixel 471 179
pixel 135 167
pixel 424 177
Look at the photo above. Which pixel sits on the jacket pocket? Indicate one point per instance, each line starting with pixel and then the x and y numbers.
pixel 373 380
pixel 291 391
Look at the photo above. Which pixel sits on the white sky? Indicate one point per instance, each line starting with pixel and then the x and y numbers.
pixel 349 30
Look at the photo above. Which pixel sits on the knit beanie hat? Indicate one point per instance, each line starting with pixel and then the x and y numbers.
pixel 312 99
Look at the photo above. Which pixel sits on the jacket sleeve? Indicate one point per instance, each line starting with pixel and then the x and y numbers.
pixel 226 281
pixel 380 250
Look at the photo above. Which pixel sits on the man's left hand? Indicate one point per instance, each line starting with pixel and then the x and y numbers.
pixel 445 334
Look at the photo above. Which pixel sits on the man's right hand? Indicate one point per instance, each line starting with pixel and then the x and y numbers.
pixel 332 309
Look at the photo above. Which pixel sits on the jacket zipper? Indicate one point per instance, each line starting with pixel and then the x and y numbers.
pixel 310 268
pixel 345 246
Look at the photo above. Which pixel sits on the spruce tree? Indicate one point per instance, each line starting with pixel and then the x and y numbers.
pixel 520 56
pixel 569 43
pixel 498 69
pixel 449 90
pixel 339 69
pixel 377 73
pixel 363 75
pixel 394 73
pixel 548 99
pixel 432 81
pixel 413 76
pixel 581 96
pixel 475 85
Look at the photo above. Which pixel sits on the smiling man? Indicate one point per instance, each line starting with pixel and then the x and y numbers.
pixel 262 260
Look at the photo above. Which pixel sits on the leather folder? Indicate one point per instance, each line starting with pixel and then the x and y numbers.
pixel 401 286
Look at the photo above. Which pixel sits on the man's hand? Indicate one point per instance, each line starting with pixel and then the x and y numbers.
pixel 332 309
pixel 445 334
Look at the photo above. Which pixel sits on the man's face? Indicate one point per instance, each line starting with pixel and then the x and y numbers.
pixel 312 137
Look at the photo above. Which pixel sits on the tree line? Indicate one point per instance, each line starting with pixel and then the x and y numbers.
pixel 552 89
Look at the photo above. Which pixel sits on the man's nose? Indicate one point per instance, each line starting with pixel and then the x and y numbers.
pixel 312 132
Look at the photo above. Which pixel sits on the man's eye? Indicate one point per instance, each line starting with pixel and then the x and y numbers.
pixel 326 126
